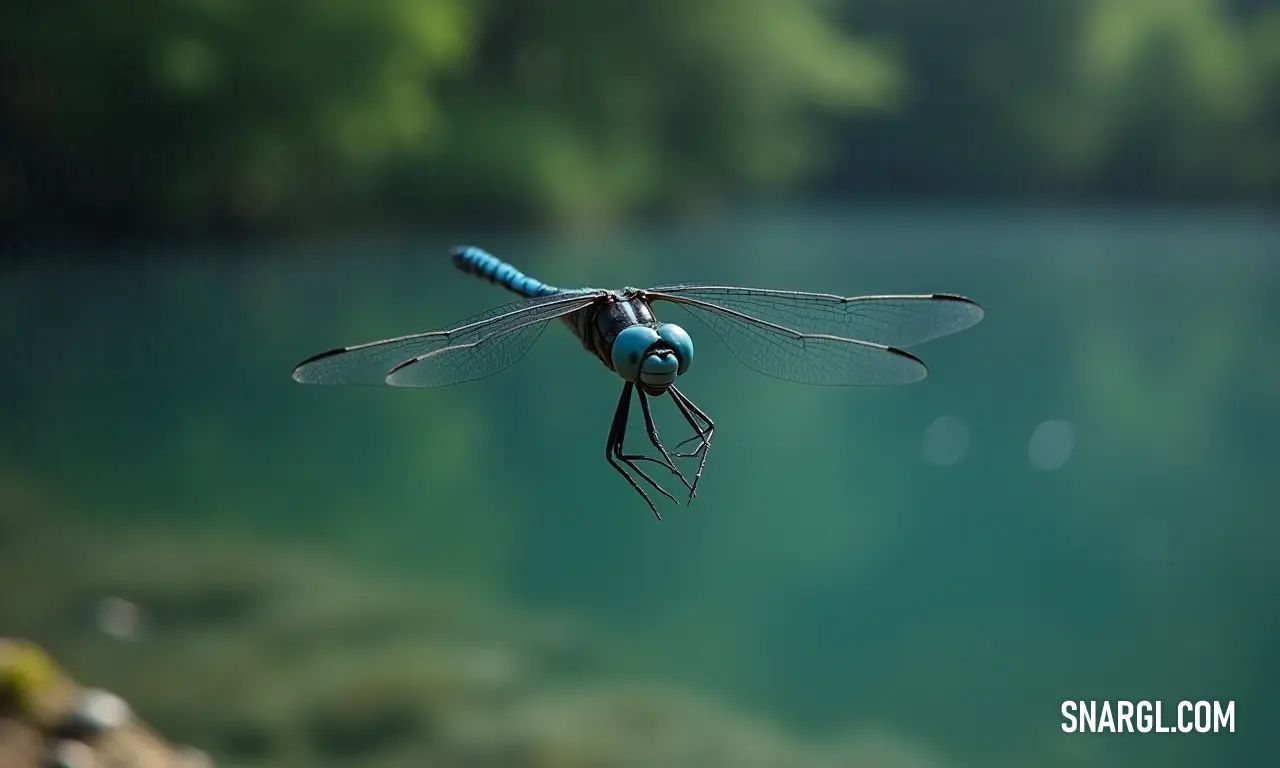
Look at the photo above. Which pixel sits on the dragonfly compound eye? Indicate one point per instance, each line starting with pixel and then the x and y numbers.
pixel 680 343
pixel 629 350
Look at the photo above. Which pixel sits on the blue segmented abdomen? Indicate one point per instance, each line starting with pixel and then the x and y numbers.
pixel 480 263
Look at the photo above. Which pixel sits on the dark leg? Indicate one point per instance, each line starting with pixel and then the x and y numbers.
pixel 652 429
pixel 630 459
pixel 701 433
pixel 693 414
pixel 696 451
pixel 613 449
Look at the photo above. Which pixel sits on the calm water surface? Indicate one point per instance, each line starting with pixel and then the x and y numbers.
pixel 1079 502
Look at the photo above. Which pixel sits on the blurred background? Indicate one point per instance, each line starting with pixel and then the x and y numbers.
pixel 1078 503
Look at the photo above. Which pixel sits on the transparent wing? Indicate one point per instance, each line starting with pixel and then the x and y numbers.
pixel 524 321
pixel 807 358
pixel 468 361
pixel 896 321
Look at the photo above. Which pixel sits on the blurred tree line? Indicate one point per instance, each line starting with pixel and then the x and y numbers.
pixel 215 116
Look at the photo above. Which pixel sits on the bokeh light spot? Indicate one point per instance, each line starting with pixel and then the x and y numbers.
pixel 946 441
pixel 1051 444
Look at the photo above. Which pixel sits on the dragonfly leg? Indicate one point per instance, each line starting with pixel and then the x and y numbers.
pixel 693 414
pixel 701 432
pixel 630 459
pixel 652 429
pixel 696 452
pixel 613 451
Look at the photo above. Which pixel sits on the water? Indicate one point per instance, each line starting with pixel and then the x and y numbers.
pixel 1092 518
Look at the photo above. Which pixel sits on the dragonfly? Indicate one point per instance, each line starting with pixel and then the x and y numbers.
pixel 809 338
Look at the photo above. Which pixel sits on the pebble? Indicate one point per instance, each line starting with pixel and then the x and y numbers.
pixel 69 753
pixel 97 711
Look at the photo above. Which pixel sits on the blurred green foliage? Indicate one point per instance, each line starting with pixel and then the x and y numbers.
pixel 204 112
pixel 1137 99
pixel 214 115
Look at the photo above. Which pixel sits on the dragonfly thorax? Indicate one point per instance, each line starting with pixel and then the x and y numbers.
pixel 622 332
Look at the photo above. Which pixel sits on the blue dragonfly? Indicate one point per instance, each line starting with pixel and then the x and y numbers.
pixel 811 338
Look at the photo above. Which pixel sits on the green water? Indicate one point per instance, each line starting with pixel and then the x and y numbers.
pixel 829 573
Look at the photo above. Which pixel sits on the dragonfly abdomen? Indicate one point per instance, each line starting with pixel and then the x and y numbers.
pixel 482 264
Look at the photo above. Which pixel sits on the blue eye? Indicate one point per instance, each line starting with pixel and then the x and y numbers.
pixel 629 348
pixel 680 342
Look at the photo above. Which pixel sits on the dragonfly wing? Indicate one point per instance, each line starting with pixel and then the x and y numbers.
pixel 369 364
pixel 807 358
pixel 896 321
pixel 467 361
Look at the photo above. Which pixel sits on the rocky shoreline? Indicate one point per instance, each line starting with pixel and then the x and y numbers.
pixel 47 720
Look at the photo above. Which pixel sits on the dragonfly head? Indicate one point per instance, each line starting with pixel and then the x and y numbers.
pixel 652 357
